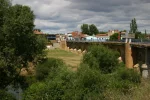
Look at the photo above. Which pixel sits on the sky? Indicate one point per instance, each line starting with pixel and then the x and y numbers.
pixel 64 16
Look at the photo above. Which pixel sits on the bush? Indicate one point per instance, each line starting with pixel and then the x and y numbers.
pixel 67 85
pixel 90 84
pixel 56 88
pixel 102 58
pixel 51 65
pixel 35 91
pixel 124 80
pixel 130 75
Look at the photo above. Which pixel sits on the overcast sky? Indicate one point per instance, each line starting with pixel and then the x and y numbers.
pixel 63 16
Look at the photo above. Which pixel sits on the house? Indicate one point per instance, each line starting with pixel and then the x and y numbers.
pixel 69 36
pixel 51 36
pixel 124 35
pixel 82 36
pixel 75 35
pixel 111 32
pixel 91 38
pixel 38 32
pixel 102 37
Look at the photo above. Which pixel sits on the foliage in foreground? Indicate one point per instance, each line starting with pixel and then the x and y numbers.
pixel 87 83
pixel 18 44
pixel 56 82
pixel 67 85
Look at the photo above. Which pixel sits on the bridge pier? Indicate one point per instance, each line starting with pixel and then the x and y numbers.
pixel 128 56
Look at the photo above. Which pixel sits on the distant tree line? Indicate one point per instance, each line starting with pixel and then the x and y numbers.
pixel 134 30
pixel 89 29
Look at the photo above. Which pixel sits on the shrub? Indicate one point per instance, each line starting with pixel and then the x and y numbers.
pixel 102 58
pixel 89 84
pixel 35 91
pixel 51 65
pixel 130 75
pixel 124 80
pixel 55 88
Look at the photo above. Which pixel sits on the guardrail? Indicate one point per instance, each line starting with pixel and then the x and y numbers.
pixel 122 41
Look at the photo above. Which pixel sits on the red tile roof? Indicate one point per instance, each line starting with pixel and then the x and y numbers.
pixel 101 34
pixel 37 32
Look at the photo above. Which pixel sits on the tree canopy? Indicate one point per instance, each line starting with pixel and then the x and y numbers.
pixel 93 29
pixel 114 37
pixel 133 26
pixel 19 45
pixel 89 29
pixel 85 28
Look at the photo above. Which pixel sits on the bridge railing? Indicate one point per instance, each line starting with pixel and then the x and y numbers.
pixel 73 40
pixel 139 41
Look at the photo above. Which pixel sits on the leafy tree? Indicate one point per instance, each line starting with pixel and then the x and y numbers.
pixel 133 26
pixel 93 29
pixel 4 5
pixel 114 37
pixel 102 32
pixel 20 45
pixel 89 29
pixel 123 31
pixel 85 28
pixel 145 32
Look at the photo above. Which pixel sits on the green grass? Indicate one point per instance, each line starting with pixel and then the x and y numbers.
pixel 69 58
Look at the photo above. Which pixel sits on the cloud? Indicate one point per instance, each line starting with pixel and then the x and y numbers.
pixel 56 16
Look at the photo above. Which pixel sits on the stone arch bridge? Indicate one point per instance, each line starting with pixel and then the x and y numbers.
pixel 131 53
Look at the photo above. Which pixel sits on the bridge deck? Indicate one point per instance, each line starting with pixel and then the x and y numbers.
pixel 136 44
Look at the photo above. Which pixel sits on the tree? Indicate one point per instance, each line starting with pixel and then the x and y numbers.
pixel 102 32
pixel 93 29
pixel 85 28
pixel 145 32
pixel 4 5
pixel 20 45
pixel 133 26
pixel 89 29
pixel 114 37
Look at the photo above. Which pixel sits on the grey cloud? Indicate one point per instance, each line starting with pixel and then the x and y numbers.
pixel 99 5
pixel 145 1
pixel 67 15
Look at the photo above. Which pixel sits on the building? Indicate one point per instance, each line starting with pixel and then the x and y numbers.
pixel 111 32
pixel 124 35
pixel 49 37
pixel 38 32
pixel 102 37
